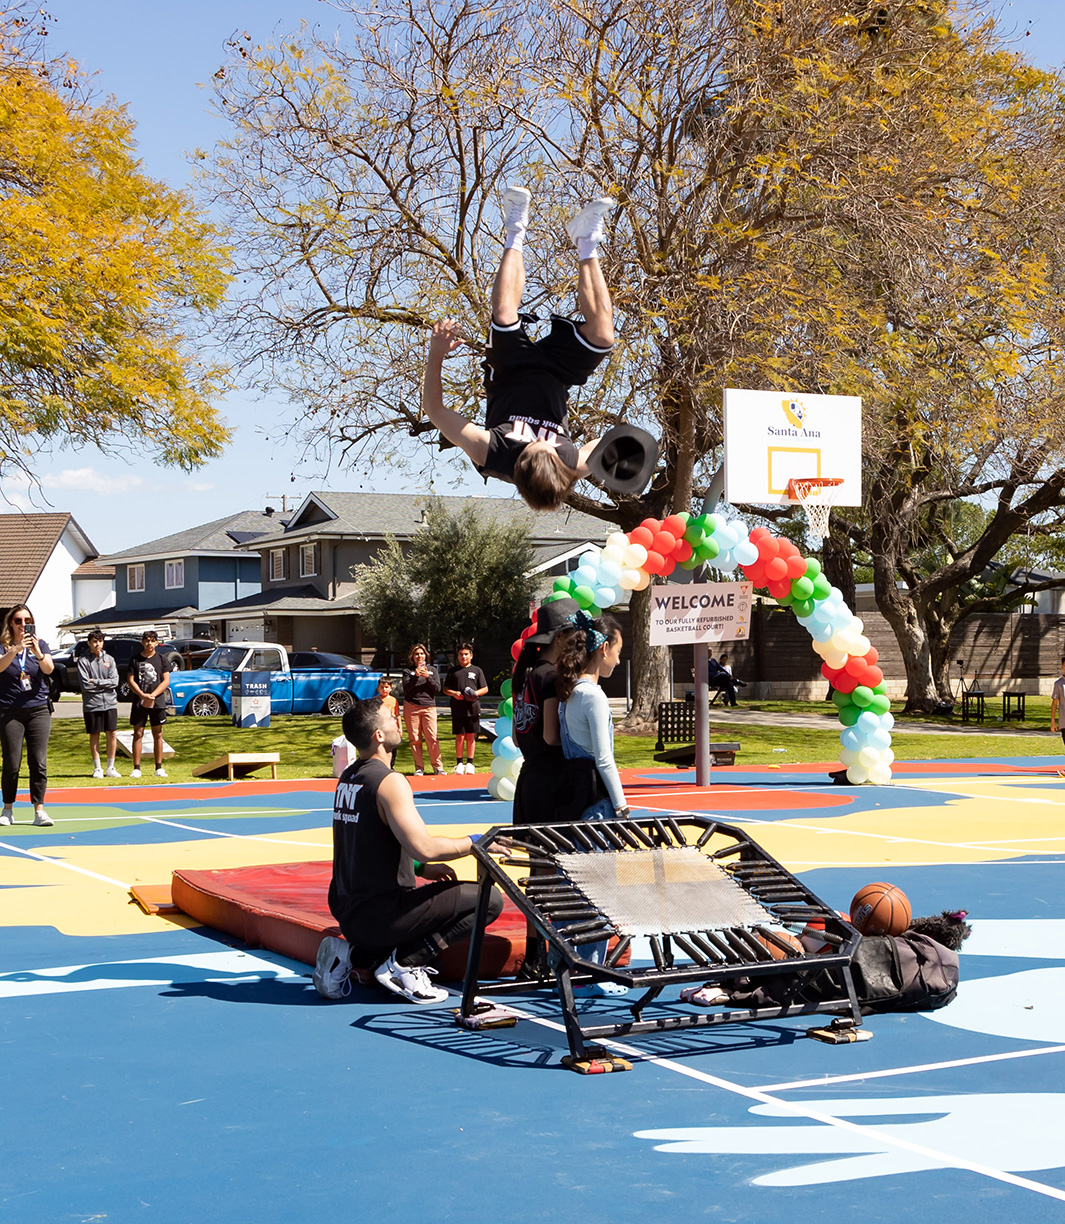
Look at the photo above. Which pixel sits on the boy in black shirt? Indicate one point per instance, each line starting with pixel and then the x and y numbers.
pixel 377 836
pixel 149 678
pixel 525 438
pixel 465 685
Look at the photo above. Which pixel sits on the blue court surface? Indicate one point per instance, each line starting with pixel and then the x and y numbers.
pixel 156 1070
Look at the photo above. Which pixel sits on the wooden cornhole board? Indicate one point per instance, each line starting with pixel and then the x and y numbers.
pixel 125 744
pixel 238 765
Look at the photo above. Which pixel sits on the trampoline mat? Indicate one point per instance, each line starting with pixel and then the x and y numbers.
pixel 664 891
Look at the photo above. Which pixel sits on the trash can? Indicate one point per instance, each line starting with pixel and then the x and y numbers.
pixel 251 699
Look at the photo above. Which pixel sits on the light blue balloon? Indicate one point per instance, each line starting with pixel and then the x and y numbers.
pixel 605 597
pixel 880 739
pixel 609 573
pixel 887 721
pixel 590 560
pixel 506 748
pixel 739 529
pixel 745 553
pixel 841 618
pixel 586 575
pixel 822 633
pixel 726 537
pixel 850 738
pixel 714 523
pixel 504 727
pixel 834 597
pixel 725 562
pixel 868 723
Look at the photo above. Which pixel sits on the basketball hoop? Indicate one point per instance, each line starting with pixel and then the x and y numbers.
pixel 816 495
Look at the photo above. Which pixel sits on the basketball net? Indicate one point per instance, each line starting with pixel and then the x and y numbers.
pixel 816 495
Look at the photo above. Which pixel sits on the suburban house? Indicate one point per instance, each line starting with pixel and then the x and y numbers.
pixel 50 564
pixel 308 564
pixel 170 584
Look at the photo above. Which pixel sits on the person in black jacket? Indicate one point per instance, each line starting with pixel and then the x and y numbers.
pixel 421 683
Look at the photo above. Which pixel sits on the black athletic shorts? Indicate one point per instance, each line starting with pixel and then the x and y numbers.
pixel 139 715
pixel 563 352
pixel 465 717
pixel 100 720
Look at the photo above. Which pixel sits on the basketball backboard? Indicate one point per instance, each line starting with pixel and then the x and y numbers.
pixel 772 437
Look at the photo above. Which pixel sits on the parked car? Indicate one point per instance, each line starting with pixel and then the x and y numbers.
pixel 183 653
pixel 65 678
pixel 308 682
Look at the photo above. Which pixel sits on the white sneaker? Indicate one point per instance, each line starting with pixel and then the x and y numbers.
pixel 112 772
pixel 441 772
pixel 98 772
pixel 590 222
pixel 410 981
pixel 160 772
pixel 7 816
pixel 470 767
pixel 516 208
pixel 134 773
pixel 41 818
pixel 419 773
pixel 332 969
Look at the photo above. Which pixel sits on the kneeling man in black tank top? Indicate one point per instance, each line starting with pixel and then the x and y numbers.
pixel 377 836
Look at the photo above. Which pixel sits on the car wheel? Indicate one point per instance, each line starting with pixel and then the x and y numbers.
pixel 339 703
pixel 174 662
pixel 205 705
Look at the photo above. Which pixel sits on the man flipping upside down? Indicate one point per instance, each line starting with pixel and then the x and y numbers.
pixel 524 439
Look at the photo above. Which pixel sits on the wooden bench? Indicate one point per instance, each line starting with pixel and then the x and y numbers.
pixel 238 765
pixel 676 724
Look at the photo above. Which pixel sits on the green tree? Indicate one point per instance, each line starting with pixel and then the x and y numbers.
pixel 465 577
pixel 102 271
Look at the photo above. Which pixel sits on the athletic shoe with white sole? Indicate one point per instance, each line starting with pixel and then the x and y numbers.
pixel 7 816
pixel 161 772
pixel 516 202
pixel 112 772
pixel 419 773
pixel 410 981
pixel 98 772
pixel 134 773
pixel 590 222
pixel 42 819
pixel 332 969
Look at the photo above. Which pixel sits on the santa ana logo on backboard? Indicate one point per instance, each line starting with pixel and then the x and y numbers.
pixel 794 412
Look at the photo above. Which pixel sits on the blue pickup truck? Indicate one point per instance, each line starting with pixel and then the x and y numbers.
pixel 305 682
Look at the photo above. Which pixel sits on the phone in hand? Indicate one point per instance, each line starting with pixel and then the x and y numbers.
pixel 30 629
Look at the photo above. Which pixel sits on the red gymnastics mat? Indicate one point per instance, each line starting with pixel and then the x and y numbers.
pixel 284 907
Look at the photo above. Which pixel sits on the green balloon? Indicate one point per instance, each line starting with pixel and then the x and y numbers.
pixel 881 703
pixel 862 696
pixel 505 688
pixel 786 601
pixel 563 584
pixel 803 607
pixel 685 515
pixel 841 700
pixel 849 715
pixel 506 709
pixel 558 595
pixel 693 562
pixel 694 534
pixel 813 567
pixel 709 548
pixel 802 588
pixel 881 687
pixel 822 587
pixel 584 596
pixel 702 522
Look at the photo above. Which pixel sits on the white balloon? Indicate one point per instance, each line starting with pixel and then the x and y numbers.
pixel 618 540
pixel 634 556
pixel 869 757
pixel 515 767
pixel 501 766
pixel 493 786
pixel 840 641
pixel 887 757
pixel 857 626
pixel 857 774
pixel 880 775
pixel 505 789
pixel 848 756
pixel 645 581
pixel 612 555
pixel 862 645
pixel 835 658
pixel 629 579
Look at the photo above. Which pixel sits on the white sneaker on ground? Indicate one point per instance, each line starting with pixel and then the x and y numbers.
pixel 332 969
pixel 470 767
pixel 516 208
pixel 410 981
pixel 41 818
pixel 112 772
pixel 7 816
pixel 134 773
pixel 419 773
pixel 590 222
pixel 441 771
pixel 98 772
pixel 160 772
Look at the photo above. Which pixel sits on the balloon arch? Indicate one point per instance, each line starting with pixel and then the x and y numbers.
pixel 627 562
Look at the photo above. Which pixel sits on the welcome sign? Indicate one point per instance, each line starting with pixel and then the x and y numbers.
pixel 700 612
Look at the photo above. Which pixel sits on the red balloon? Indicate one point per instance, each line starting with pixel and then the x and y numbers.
pixel 830 673
pixel 767 548
pixel 641 536
pixel 871 655
pixel 652 525
pixel 845 683
pixel 776 570
pixel 528 632
pixel 786 549
pixel 796 565
pixel 756 573
pixel 668 566
pixel 664 543
pixel 683 551
pixel 515 650
pixel 755 535
pixel 655 563
pixel 855 666
pixel 780 588
pixel 873 676
pixel 675 524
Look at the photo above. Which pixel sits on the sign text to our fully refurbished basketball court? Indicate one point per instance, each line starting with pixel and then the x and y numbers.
pixel 701 612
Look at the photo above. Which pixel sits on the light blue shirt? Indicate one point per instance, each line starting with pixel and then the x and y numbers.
pixel 590 726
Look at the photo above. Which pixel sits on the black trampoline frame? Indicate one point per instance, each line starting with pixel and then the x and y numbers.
pixel 721 956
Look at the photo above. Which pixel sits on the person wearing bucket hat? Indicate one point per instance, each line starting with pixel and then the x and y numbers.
pixel 525 439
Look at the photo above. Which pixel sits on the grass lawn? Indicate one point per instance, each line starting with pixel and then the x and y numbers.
pixel 304 741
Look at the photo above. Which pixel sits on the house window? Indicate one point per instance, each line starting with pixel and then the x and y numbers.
pixel 277 564
pixel 175 574
pixel 307 565
pixel 134 577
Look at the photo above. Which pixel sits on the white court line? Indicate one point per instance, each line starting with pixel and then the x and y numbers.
pixel 940 1066
pixel 801 1111
pixel 44 858
pixel 126 816
pixel 273 841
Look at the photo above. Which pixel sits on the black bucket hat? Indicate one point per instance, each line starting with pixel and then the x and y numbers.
pixel 625 459
pixel 552 618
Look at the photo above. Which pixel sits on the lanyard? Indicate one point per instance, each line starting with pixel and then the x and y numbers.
pixel 22 658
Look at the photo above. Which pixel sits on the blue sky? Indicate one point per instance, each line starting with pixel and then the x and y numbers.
pixel 154 56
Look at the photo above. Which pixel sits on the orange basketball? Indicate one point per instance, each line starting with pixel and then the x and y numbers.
pixel 880 909
pixel 784 937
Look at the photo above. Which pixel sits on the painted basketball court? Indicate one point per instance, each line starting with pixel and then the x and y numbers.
pixel 156 1070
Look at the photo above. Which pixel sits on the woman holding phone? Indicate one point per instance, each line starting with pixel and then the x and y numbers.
pixel 25 711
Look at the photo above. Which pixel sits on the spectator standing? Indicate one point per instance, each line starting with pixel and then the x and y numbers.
pixel 465 685
pixel 25 711
pixel 149 678
pixel 98 674
pixel 421 683
pixel 384 691
pixel 1057 701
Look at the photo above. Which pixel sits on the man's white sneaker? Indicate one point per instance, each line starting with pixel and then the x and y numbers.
pixel 410 981
pixel 41 818
pixel 516 208
pixel 7 816
pixel 332 969
pixel 98 772
pixel 134 773
pixel 419 773
pixel 160 772
pixel 590 222
pixel 470 767
pixel 112 772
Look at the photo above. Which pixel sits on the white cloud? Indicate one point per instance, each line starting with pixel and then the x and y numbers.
pixel 89 480
pixel 201 486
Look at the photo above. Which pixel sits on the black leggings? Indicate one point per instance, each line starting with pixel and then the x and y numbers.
pixel 419 923
pixel 32 726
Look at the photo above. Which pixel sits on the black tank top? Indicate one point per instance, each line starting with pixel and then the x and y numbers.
pixel 368 861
